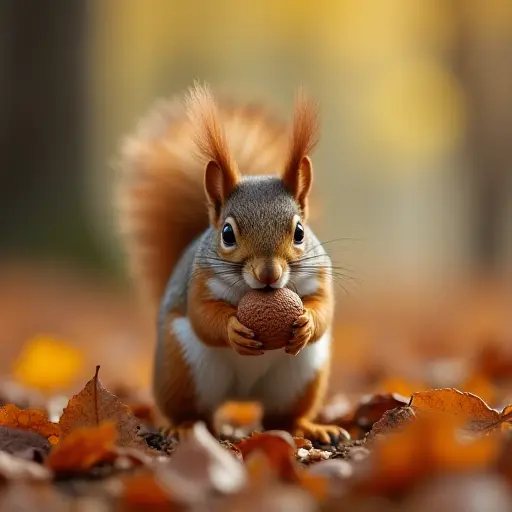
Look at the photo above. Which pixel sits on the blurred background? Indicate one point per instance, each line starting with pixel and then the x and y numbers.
pixel 413 169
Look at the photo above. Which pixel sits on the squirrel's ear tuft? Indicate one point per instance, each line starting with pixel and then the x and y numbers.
pixel 298 173
pixel 218 185
pixel 221 174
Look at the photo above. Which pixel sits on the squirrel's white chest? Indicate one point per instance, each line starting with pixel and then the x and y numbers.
pixel 275 378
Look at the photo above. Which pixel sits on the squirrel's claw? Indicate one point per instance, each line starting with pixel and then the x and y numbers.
pixel 302 331
pixel 242 339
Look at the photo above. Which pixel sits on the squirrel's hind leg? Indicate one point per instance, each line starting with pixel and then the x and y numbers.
pixel 174 382
pixel 299 419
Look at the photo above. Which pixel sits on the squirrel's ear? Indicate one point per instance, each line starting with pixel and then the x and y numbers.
pixel 299 182
pixel 219 182
pixel 298 172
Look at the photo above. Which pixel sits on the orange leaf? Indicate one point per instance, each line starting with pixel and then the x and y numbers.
pixel 474 410
pixel 428 445
pixel 279 449
pixel 83 448
pixel 29 419
pixel 94 405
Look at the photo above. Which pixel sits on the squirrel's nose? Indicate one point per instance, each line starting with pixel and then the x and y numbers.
pixel 268 273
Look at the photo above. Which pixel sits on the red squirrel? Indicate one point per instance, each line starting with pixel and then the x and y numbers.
pixel 213 203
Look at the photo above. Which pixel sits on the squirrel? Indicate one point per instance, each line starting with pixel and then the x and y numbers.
pixel 199 234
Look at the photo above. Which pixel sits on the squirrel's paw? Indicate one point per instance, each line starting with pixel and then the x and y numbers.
pixel 241 339
pixel 302 332
pixel 325 434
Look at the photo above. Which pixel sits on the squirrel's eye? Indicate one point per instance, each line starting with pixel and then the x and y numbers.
pixel 298 236
pixel 228 235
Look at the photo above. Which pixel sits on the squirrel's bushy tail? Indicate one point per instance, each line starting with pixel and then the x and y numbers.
pixel 161 203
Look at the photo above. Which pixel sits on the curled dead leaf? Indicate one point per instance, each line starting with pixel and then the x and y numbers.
pixel 200 467
pixel 83 449
pixel 94 405
pixel 29 419
pixel 478 415
pixel 278 447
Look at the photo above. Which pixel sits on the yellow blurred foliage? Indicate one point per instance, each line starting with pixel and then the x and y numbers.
pixel 47 364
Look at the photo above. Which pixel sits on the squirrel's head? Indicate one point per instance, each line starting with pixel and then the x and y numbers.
pixel 261 227
pixel 260 221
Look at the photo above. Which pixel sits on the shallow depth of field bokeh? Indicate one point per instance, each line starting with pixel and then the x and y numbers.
pixel 413 173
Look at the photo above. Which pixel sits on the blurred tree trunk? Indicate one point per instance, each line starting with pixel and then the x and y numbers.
pixel 43 107
pixel 483 62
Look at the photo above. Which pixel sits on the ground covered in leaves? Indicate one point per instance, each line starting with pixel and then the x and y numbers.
pixel 103 450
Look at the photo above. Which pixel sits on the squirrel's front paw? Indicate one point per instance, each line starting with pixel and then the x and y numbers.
pixel 302 332
pixel 242 339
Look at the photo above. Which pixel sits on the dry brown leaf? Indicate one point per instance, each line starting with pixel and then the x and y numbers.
pixel 393 420
pixel 372 408
pixel 94 405
pixel 199 468
pixel 83 449
pixel 29 419
pixel 278 448
pixel 479 416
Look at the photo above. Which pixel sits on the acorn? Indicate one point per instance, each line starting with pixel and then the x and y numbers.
pixel 271 315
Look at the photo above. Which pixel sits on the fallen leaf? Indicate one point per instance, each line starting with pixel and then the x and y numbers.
pixel 48 364
pixel 392 421
pixel 15 468
pixel 479 416
pixel 279 449
pixel 431 444
pixel 29 419
pixel 84 448
pixel 16 441
pixel 372 408
pixel 200 467
pixel 94 405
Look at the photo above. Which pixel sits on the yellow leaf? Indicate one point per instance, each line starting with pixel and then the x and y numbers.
pixel 47 364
